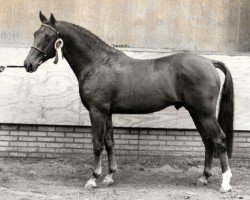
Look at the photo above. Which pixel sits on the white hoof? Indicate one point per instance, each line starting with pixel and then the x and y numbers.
pixel 202 181
pixel 108 180
pixel 224 189
pixel 90 183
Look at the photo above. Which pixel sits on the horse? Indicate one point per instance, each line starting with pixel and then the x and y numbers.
pixel 111 82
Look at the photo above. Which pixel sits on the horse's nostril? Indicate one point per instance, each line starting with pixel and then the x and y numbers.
pixel 28 66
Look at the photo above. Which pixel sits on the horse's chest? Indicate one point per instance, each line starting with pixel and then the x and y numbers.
pixel 93 95
pixel 86 95
pixel 84 100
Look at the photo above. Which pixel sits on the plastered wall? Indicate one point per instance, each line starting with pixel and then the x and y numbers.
pixel 199 25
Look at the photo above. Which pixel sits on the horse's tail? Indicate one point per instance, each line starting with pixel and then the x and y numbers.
pixel 226 109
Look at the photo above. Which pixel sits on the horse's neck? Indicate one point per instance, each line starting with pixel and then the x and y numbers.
pixel 82 52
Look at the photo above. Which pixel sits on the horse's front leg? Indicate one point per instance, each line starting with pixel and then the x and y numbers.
pixel 109 145
pixel 98 122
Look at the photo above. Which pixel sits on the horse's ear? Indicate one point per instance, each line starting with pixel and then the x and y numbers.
pixel 42 17
pixel 52 19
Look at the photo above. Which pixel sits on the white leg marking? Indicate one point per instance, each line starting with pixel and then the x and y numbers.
pixel 91 183
pixel 108 180
pixel 225 185
pixel 203 180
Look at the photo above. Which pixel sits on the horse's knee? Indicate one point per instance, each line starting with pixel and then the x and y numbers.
pixel 109 145
pixel 98 148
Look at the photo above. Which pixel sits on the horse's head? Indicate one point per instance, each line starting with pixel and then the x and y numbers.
pixel 44 41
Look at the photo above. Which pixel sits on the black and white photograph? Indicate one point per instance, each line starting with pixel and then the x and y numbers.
pixel 124 99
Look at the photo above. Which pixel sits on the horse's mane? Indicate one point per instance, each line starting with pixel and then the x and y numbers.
pixel 88 34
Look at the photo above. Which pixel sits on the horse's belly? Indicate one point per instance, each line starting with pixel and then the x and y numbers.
pixel 138 110
pixel 141 104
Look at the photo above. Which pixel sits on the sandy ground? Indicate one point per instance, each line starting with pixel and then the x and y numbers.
pixel 33 179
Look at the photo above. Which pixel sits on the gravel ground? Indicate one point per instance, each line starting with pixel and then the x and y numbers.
pixel 143 178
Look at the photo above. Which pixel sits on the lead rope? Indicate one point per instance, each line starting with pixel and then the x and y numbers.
pixel 58 48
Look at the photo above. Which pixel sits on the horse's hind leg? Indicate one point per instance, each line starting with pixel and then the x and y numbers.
pixel 209 151
pixel 213 131
pixel 209 154
pixel 98 122
pixel 109 145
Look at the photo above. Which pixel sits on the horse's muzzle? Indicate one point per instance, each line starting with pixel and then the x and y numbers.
pixel 30 67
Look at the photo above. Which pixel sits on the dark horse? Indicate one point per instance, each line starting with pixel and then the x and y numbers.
pixel 112 82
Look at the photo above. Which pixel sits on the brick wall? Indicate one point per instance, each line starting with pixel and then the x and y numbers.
pixel 58 141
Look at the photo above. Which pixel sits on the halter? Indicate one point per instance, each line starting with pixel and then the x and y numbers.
pixel 43 51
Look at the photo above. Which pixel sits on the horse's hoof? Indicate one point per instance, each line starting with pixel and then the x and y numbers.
pixel 202 181
pixel 108 180
pixel 225 189
pixel 90 184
